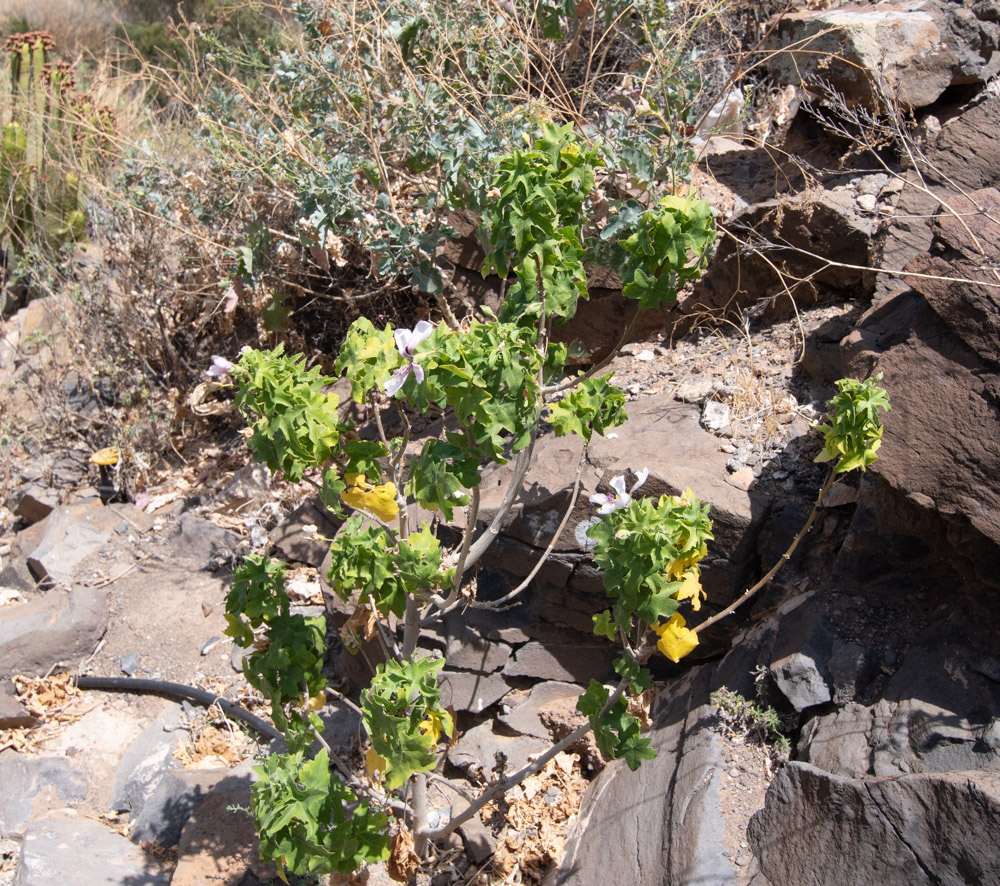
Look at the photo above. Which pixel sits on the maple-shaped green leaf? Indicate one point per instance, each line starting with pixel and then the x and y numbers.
pixel 436 477
pixel 633 749
pixel 361 560
pixel 591 702
pixel 419 562
pixel 329 494
pixel 604 625
pixel 363 458
pixel 399 741
pixel 401 708
pixel 594 405
pixel 639 679
pixel 309 821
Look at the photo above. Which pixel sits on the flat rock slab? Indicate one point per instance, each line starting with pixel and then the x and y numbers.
pixel 167 809
pixel 219 844
pixel 569 662
pixel 32 785
pixel 146 762
pixel 94 743
pixel 660 434
pixel 56 627
pixel 294 544
pixel 467 650
pixel 545 702
pixel 13 715
pixel 662 824
pixel 941 828
pixel 667 437
pixel 202 541
pixel 71 535
pixel 83 852
pixel 468 691
pixel 480 745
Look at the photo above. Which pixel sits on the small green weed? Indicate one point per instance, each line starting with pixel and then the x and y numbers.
pixel 749 721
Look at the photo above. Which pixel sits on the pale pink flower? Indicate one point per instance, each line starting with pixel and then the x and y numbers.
pixel 406 341
pixel 220 366
pixel 618 499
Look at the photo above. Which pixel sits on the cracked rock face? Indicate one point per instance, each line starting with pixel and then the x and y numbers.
pixel 808 831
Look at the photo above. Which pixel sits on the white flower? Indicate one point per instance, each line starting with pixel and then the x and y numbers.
pixel 406 341
pixel 618 499
pixel 220 366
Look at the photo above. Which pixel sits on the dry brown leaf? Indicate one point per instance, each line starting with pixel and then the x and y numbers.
pixel 403 861
pixel 537 819
pixel 639 705
pixel 362 623
pixel 199 405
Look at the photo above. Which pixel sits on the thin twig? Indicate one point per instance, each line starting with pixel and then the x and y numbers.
pixel 499 788
pixel 785 557
pixel 495 605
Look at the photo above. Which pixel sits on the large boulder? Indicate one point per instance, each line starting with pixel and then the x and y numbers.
pixel 966 244
pixel 911 52
pixel 931 828
pixel 56 628
pixel 963 156
pixel 664 822
pixel 662 435
pixel 792 251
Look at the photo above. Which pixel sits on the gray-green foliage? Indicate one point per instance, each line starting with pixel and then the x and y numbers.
pixel 744 719
pixel 386 117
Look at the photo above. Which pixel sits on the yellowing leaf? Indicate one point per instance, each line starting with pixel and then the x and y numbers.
pixel 676 641
pixel 691 589
pixel 431 725
pixel 318 701
pixel 375 765
pixel 677 568
pixel 109 455
pixel 377 500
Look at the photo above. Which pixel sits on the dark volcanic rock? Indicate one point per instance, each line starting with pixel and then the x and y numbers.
pixel 915 52
pixel 804 230
pixel 53 628
pixel 822 828
pixel 963 245
pixel 662 823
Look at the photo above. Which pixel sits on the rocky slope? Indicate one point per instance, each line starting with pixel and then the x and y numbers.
pixel 876 643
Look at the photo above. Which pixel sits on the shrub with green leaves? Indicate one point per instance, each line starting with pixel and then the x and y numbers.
pixel 499 378
pixel 383 119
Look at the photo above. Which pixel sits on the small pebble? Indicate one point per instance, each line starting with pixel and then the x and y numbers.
pixel 868 202
pixel 210 644
pixel 130 664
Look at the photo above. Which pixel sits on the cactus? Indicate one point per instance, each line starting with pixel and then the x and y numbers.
pixel 51 133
